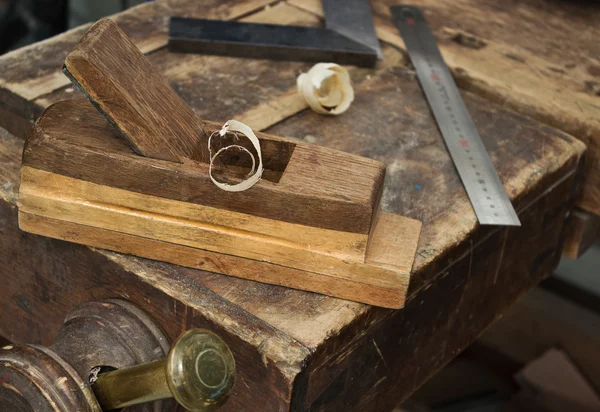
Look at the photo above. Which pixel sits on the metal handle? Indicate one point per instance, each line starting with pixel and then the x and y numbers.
pixel 198 372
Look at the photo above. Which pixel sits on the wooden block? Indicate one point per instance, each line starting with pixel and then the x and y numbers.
pixel 161 229
pixel 360 288
pixel 309 184
pixel 310 228
pixel 134 97
pixel 581 232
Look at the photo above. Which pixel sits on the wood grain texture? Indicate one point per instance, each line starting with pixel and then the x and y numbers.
pixel 317 184
pixel 259 93
pixel 323 352
pixel 262 98
pixel 533 19
pixel 369 364
pixel 378 369
pixel 116 77
pixel 511 54
pixel 266 359
pixel 449 246
pixel 419 170
pixel 34 71
pixel 258 249
pixel 73 131
pixel 209 228
pixel 367 287
pixel 510 126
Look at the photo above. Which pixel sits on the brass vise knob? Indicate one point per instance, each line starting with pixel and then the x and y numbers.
pixel 198 372
pixel 141 370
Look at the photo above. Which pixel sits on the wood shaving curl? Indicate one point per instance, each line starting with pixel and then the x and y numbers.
pixel 326 88
pixel 233 126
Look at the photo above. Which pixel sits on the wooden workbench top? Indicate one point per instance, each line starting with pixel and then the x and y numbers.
pixel 537 57
pixel 297 350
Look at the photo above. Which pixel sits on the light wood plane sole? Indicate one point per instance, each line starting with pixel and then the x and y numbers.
pixel 59 211
pixel 167 230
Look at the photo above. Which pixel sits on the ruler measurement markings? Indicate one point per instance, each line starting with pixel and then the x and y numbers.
pixel 475 168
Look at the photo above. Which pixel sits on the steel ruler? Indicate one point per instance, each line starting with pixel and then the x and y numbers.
pixel 480 179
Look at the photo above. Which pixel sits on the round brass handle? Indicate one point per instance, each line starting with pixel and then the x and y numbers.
pixel 198 372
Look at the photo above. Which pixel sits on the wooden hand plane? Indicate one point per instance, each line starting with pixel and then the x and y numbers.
pixel 130 173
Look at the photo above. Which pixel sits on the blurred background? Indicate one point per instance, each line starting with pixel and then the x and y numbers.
pixel 26 21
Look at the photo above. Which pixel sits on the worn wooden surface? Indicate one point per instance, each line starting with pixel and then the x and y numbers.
pixel 309 184
pixel 111 333
pixel 375 282
pixel 302 351
pixel 116 77
pixel 538 57
pixel 81 182
pixel 21 84
pixel 230 243
pixel 509 53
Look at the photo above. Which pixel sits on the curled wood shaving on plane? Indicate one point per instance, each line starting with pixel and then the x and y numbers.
pixel 255 173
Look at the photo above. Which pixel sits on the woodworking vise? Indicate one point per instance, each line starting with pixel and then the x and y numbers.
pixel 111 354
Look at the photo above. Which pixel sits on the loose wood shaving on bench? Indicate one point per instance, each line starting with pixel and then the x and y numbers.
pixel 233 126
pixel 326 88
